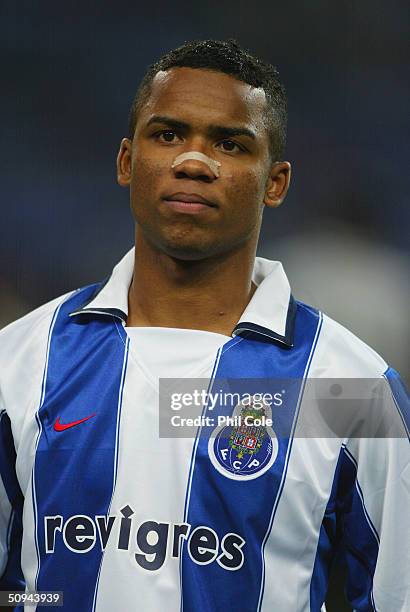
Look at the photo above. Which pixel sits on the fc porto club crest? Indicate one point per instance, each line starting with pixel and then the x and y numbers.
pixel 246 446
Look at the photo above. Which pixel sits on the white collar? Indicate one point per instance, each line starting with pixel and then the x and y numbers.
pixel 270 313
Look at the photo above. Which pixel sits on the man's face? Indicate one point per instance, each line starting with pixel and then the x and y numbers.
pixel 222 118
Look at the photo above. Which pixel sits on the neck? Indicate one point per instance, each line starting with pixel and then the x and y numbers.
pixel 208 295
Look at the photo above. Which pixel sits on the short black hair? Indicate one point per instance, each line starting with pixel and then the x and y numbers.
pixel 229 58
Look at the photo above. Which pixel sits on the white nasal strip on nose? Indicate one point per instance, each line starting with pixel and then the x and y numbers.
pixel 211 163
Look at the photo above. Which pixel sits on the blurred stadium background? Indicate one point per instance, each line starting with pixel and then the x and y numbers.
pixel 69 73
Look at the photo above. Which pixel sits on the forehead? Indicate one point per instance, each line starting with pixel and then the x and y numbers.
pixel 206 96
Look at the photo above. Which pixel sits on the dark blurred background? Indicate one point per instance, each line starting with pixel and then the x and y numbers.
pixel 69 73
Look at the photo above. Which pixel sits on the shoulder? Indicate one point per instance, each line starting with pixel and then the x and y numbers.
pixel 23 352
pixel 29 329
pixel 23 347
pixel 23 356
pixel 340 353
pixel 381 402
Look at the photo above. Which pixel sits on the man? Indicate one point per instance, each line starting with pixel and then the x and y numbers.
pixel 246 516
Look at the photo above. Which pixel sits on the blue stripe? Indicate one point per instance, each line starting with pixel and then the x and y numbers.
pixel 348 531
pixel 290 448
pixel 325 557
pixel 8 461
pixel 75 469
pixel 360 492
pixel 12 577
pixel 246 507
pixel 400 396
pixel 360 542
pixel 229 344
pixel 328 545
pixel 117 435
pixel 9 525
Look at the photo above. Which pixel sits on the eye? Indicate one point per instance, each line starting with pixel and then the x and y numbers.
pixel 166 136
pixel 230 146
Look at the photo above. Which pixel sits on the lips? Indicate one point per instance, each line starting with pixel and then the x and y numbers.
pixel 188 198
pixel 188 203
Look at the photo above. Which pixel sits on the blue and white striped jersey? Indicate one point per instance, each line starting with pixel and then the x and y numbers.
pixel 95 504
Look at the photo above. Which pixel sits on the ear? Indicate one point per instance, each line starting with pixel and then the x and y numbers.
pixel 124 162
pixel 278 184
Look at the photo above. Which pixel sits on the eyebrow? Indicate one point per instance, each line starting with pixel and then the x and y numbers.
pixel 217 131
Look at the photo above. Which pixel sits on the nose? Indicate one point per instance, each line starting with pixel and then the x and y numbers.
pixel 194 169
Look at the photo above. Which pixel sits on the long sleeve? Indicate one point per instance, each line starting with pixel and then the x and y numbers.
pixel 11 507
pixel 372 513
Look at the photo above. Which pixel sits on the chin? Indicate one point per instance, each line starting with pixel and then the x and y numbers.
pixel 185 245
pixel 186 252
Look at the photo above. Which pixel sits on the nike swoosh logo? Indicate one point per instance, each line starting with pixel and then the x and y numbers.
pixel 58 426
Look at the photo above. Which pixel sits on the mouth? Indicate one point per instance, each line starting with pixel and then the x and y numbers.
pixel 188 202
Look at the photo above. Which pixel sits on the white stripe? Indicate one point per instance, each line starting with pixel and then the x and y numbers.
pixel 32 489
pixel 191 471
pixel 152 479
pixel 117 430
pixel 33 480
pixel 198 435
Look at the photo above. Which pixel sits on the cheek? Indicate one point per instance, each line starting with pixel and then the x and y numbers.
pixel 145 174
pixel 246 192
